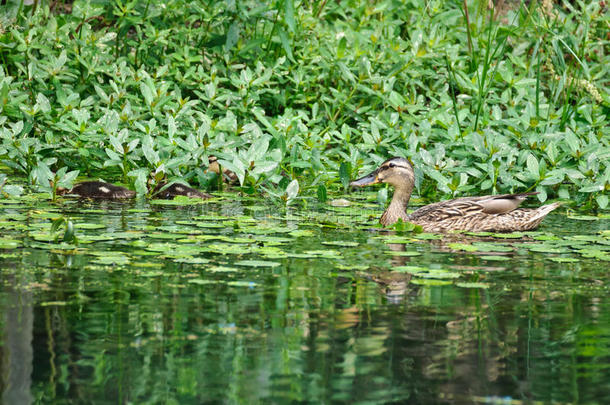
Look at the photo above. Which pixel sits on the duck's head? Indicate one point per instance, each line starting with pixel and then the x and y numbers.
pixel 396 171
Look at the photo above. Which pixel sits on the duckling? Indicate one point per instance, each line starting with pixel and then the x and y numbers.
pixel 227 174
pixel 99 190
pixel 496 213
pixel 177 189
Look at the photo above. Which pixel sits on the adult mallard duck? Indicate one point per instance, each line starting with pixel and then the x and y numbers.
pixel 100 190
pixel 497 213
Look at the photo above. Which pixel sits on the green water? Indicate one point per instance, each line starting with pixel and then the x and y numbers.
pixel 239 302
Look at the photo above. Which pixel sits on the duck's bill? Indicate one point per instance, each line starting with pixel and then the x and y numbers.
pixel 370 178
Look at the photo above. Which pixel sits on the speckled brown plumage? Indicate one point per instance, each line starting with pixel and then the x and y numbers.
pixel 499 213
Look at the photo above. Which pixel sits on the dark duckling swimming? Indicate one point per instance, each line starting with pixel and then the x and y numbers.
pixel 176 189
pixel 100 190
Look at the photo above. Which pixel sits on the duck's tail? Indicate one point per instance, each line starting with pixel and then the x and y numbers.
pixel 539 214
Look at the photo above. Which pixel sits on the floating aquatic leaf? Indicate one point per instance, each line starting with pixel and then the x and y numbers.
pixel 440 274
pixel 463 246
pixel 301 233
pixel 584 238
pixel 89 226
pixel 492 247
pixel 328 254
pixel 595 254
pixel 191 260
pixel 201 237
pixel 271 252
pixel 495 258
pixel 200 281
pixel 302 255
pixel 13 216
pixel 174 250
pixel 257 263
pixel 427 236
pixel 342 243
pixel 352 267
pixel 479 233
pixel 584 217
pixel 241 283
pixel 340 202
pixel 167 235
pixel 430 282
pixel 201 224
pixel 545 237
pixel 151 273
pixel 228 248
pixel 472 285
pixel 9 243
pixel 272 240
pixel 42 236
pixel 257 208
pixel 183 200
pixel 546 249
pixel 512 235
pixel 264 230
pixel 564 259
pixel 223 269
pixel 93 238
pixel 396 239
pixel 410 269
pixel 237 239
pixel 214 218
pixel 53 303
pixel 12 225
pixel 113 259
pixel 123 235
pixel 407 253
pixel 45 215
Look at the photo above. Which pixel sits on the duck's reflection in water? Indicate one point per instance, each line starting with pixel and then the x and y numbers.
pixel 393 284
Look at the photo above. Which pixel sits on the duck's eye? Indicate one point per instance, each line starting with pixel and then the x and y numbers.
pixel 392 165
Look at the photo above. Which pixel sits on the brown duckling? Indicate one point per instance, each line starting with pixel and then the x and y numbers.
pixel 227 174
pixel 99 190
pixel 497 213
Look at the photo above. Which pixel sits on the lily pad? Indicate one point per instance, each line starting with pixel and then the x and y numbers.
pixel 430 282
pixel 200 281
pixel 257 263
pixel 342 243
pixel 564 259
pixel 408 253
pixel 223 269
pixel 9 243
pixel 584 217
pixel 492 247
pixel 249 284
pixel 495 258
pixel 463 246
pixel 472 285
pixel 191 260
pixel 89 226
pixel 512 235
pixel 301 233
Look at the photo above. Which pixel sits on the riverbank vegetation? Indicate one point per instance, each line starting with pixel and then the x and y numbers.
pixel 297 97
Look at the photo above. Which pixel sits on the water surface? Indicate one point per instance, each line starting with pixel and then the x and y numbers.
pixel 238 302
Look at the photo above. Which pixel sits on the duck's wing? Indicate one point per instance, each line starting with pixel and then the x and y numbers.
pixel 466 206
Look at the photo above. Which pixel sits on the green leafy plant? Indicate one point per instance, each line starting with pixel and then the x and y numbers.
pixel 67 234
pixel 480 101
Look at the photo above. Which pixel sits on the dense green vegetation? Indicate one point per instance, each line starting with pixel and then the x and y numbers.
pixel 312 91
